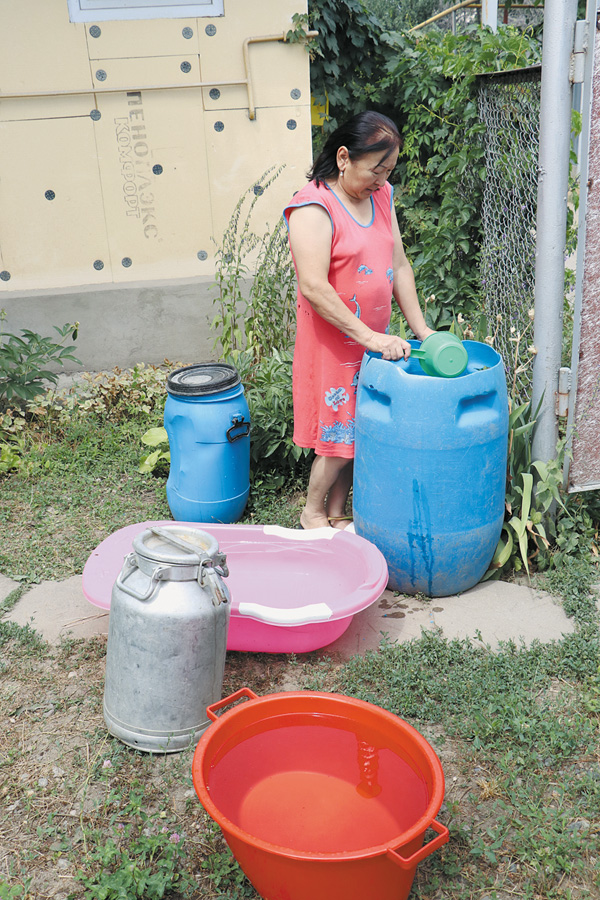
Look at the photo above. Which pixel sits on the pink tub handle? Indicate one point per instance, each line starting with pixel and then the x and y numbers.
pixel 411 861
pixel 220 704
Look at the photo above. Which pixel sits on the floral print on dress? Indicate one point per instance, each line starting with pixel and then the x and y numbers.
pixel 336 397
pixel 338 433
pixel 390 275
pixel 365 269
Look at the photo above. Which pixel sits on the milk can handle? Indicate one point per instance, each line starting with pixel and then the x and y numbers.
pixel 409 862
pixel 126 571
pixel 219 592
pixel 177 542
pixel 220 704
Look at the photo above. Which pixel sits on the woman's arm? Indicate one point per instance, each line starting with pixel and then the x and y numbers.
pixel 405 292
pixel 310 240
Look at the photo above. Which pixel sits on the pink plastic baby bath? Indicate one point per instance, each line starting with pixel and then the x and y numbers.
pixel 292 591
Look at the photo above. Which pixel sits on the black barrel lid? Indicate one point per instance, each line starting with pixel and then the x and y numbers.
pixel 202 378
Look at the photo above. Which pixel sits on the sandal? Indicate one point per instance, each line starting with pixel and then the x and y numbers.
pixel 332 519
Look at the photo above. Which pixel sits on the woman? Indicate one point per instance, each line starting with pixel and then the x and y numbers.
pixel 350 261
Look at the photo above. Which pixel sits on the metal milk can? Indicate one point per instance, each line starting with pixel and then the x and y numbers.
pixel 167 639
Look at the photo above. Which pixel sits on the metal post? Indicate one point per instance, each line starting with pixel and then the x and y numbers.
pixel 553 185
pixel 489 14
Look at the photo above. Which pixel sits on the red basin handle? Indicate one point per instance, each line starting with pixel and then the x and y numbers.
pixel 220 704
pixel 411 861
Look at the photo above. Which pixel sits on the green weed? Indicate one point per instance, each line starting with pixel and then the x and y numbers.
pixel 255 282
pixel 143 860
pixel 222 871
pixel 573 580
pixel 14 892
pixel 516 714
pixel 25 358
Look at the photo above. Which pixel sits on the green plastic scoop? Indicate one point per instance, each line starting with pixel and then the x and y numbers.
pixel 442 354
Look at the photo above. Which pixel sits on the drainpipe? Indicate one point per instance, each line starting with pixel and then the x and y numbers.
pixel 553 186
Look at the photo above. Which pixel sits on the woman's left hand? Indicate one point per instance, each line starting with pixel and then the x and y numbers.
pixel 389 345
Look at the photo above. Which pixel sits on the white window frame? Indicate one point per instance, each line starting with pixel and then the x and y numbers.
pixel 105 10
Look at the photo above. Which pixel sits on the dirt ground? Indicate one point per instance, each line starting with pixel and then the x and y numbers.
pixel 66 785
pixel 64 782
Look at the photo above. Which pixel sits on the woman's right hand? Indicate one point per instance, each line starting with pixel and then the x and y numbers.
pixel 389 345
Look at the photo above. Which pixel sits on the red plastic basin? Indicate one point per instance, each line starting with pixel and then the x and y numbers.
pixel 320 795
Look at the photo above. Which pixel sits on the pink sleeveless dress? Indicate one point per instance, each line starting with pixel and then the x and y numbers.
pixel 326 361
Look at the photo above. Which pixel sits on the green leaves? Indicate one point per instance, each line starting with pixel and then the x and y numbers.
pixel 24 361
pixel 426 82
pixel 9 458
pixel 520 523
pixel 137 862
pixel 150 462
pixel 268 386
pixel 255 282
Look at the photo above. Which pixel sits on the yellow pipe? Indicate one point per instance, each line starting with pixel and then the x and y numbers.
pixel 170 87
pixel 246 50
pixel 442 14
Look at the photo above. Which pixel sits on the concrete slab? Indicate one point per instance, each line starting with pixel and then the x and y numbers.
pixel 490 612
pixel 56 609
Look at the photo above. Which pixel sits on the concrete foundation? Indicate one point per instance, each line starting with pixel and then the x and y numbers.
pixel 124 325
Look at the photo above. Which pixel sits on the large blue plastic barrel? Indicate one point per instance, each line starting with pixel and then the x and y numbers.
pixel 208 425
pixel 430 469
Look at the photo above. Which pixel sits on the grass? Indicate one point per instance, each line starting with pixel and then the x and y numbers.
pixel 523 725
pixel 69 495
pixel 82 816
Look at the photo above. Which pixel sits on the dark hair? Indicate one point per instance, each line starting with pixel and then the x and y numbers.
pixel 365 133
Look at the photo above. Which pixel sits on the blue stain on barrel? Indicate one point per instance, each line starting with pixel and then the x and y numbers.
pixel 430 469
pixel 208 426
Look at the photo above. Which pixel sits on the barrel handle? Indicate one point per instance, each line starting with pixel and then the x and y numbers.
pixel 374 375
pixel 238 422
pixel 411 861
pixel 126 571
pixel 220 704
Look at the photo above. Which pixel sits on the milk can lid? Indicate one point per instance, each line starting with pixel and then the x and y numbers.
pixel 170 543
pixel 202 378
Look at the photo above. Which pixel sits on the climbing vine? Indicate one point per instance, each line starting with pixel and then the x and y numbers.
pixel 427 83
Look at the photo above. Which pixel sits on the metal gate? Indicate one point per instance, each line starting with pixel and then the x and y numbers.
pixel 583 424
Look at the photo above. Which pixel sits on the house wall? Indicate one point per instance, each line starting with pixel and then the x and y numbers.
pixel 124 149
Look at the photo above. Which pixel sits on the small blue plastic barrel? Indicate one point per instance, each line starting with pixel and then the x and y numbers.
pixel 430 469
pixel 208 425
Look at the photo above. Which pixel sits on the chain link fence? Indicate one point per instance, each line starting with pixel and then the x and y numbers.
pixel 509 106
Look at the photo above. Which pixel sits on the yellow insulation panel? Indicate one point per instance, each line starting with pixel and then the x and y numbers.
pixel 278 137
pixel 155 37
pixel 41 49
pixel 277 74
pixel 155 183
pixel 136 132
pixel 60 106
pixel 52 221
pixel 143 72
